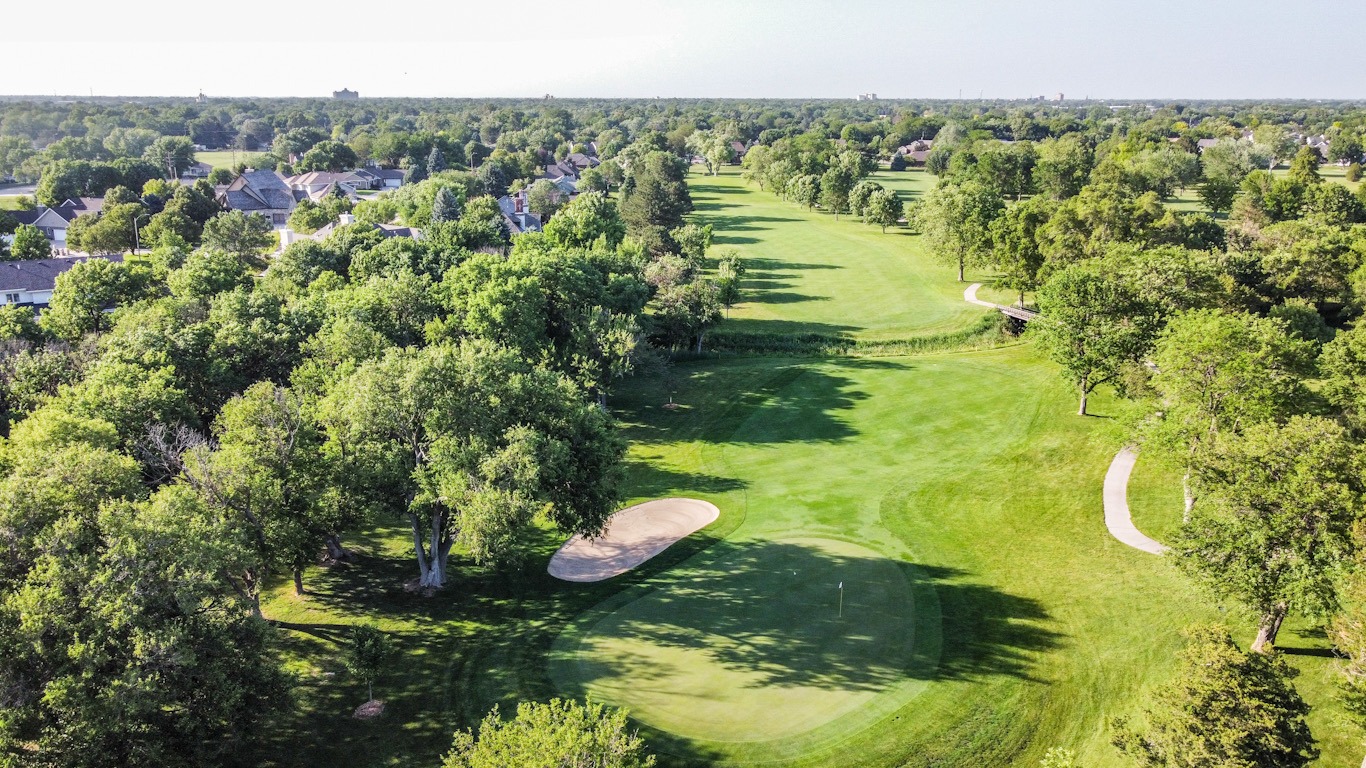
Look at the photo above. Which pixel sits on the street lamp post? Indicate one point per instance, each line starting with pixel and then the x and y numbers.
pixel 137 240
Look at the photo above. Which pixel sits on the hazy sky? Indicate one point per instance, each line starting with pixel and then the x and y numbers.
pixel 776 48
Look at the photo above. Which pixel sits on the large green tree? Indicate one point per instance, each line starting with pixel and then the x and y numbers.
pixel 1273 525
pixel 1224 709
pixel 244 235
pixel 1094 323
pixel 1219 371
pixel 470 444
pixel 553 735
pixel 956 219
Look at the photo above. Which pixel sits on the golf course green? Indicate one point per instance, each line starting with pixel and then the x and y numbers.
pixel 762 641
pixel 988 614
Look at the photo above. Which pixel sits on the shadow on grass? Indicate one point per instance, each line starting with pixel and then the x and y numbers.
pixel 646 478
pixel 778 404
pixel 781 297
pixel 767 613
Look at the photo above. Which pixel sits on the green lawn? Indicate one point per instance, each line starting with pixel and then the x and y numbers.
pixel 226 158
pixel 808 273
pixel 987 615
pixel 9 202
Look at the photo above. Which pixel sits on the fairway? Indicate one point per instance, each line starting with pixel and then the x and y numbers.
pixel 807 273
pixel 756 645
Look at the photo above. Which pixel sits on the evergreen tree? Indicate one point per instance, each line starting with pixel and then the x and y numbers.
pixel 436 161
pixel 446 206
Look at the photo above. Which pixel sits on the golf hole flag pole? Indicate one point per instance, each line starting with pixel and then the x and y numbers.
pixel 841 600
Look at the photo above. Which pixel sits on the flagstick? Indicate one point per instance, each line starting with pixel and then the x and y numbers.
pixel 841 600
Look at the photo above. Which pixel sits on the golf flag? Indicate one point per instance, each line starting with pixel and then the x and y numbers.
pixel 841 585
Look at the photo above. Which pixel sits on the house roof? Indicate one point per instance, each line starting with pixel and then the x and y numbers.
pixel 388 173
pixel 258 191
pixel 27 217
pixel 580 160
pixel 70 209
pixel 1205 143
pixel 39 274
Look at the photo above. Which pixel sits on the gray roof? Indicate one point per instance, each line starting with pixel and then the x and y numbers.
pixel 258 191
pixel 79 206
pixel 39 274
pixel 27 217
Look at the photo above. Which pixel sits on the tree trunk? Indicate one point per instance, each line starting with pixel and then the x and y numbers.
pixel 961 266
pixel 700 335
pixel 1085 390
pixel 370 689
pixel 1269 628
pixel 335 550
pixel 1189 495
pixel 298 581
pixel 433 566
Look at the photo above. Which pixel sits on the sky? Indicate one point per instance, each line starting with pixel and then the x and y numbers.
pixel 1104 49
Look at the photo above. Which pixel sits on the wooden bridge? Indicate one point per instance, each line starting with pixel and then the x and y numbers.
pixel 1018 314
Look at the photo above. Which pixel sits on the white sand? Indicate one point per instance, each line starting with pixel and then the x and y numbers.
pixel 633 535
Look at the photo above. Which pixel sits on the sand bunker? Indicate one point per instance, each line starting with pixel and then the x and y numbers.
pixel 633 535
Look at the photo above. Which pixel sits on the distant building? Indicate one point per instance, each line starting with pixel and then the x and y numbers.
pixel 517 214
pixel 867 97
pixel 1057 96
pixel 345 93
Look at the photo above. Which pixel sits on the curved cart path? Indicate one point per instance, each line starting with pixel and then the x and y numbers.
pixel 1116 499
pixel 970 296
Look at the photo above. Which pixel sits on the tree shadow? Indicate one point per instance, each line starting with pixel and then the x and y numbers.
pixel 645 477
pixel 781 297
pixel 785 402
pixel 770 614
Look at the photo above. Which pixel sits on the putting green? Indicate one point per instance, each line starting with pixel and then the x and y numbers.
pixel 751 646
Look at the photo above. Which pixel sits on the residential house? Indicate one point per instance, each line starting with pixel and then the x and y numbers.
pixel 517 214
pixel 1203 144
pixel 317 184
pixel 345 93
pixel 346 219
pixel 387 178
pixel 917 151
pixel 581 161
pixel 739 148
pixel 30 283
pixel 197 170
pixel 55 221
pixel 262 192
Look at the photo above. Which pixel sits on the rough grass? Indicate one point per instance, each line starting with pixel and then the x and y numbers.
pixel 9 202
